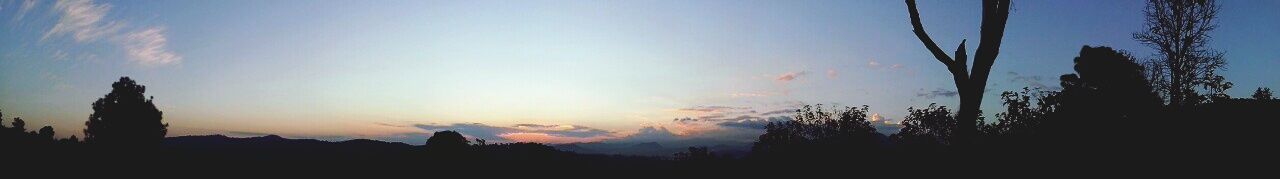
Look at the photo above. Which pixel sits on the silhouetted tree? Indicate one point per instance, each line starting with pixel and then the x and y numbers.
pixel 1108 85
pixel 1262 94
pixel 447 139
pixel 72 139
pixel 1179 32
pixel 1112 72
pixel 970 85
pixel 815 131
pixel 1250 139
pixel 930 128
pixel 46 133
pixel 1108 80
pixel 1024 112
pixel 4 131
pixel 779 139
pixel 31 143
pixel 481 142
pixel 124 117
pixel 19 125
pixel 447 144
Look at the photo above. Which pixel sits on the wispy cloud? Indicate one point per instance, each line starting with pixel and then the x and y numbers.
pixel 651 134
pixel 83 19
pixel 780 111
pixel 712 108
pixel 748 94
pixel 563 130
pixel 737 123
pixel 936 93
pixel 1030 80
pixel 789 76
pixel 87 21
pixel 60 55
pixel 715 113
pixel 27 5
pixel 526 132
pixel 148 47
pixel 754 123
pixel 551 138
pixel 876 65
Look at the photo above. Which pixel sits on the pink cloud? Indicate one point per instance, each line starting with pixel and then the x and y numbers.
pixel 525 132
pixel 743 94
pixel 787 77
pixel 550 139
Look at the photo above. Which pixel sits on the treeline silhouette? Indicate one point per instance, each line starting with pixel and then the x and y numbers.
pixel 1105 111
pixel 1115 110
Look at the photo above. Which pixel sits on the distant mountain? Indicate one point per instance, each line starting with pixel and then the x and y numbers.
pixel 736 151
pixel 658 149
pixel 275 151
pixel 274 141
pixel 647 146
pixel 280 147
pixel 574 148
pixel 273 147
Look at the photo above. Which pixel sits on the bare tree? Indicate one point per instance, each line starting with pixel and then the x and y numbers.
pixel 970 85
pixel 1179 32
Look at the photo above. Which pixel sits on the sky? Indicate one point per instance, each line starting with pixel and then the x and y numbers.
pixel 546 71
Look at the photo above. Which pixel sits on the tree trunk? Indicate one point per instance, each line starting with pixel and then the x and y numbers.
pixel 970 86
pixel 967 116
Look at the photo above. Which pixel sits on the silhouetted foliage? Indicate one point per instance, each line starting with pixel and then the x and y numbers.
pixel 19 125
pixel 969 84
pixel 518 151
pixel 1179 32
pixel 447 140
pixel 840 133
pixel 72 139
pixel 931 128
pixel 1111 110
pixel 46 133
pixel 1024 113
pixel 15 139
pixel 1110 86
pixel 449 145
pixel 481 142
pixel 125 117
pixel 1110 74
pixel 1262 94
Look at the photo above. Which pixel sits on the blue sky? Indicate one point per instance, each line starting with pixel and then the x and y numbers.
pixel 540 70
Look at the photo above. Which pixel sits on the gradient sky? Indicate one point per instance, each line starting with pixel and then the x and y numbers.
pixel 544 71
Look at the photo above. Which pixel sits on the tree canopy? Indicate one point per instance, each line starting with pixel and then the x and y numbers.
pixel 125 117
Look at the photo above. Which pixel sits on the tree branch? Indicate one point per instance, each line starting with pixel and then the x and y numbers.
pixel 994 15
pixel 924 37
pixel 961 57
